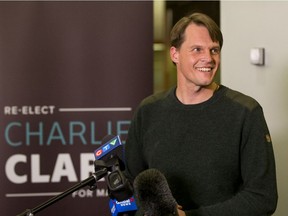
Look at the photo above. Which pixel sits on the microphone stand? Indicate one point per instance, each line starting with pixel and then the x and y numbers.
pixel 91 181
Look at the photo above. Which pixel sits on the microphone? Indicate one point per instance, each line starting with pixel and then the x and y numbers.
pixel 153 194
pixel 109 155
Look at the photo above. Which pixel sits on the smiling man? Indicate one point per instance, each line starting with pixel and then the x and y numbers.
pixel 197 60
pixel 212 143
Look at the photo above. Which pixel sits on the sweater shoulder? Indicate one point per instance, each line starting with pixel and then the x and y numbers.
pixel 241 99
pixel 156 98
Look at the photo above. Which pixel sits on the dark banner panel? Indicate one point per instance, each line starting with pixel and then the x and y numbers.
pixel 70 74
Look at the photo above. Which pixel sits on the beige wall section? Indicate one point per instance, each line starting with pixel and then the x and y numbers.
pixel 248 24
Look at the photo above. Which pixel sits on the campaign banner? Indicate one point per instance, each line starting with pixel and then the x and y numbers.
pixel 71 73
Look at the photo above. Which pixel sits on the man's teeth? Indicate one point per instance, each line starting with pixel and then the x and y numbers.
pixel 204 69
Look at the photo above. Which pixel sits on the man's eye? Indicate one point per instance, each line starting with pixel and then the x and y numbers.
pixel 215 51
pixel 196 49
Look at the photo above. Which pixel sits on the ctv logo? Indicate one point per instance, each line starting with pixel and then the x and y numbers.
pixel 114 143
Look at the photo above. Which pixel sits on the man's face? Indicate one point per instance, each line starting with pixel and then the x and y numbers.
pixel 198 58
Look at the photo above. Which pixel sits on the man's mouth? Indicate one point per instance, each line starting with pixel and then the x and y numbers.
pixel 204 69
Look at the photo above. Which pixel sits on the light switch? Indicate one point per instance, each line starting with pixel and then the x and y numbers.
pixel 257 56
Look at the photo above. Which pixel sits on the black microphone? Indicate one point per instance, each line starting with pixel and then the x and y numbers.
pixel 111 147
pixel 153 194
pixel 109 155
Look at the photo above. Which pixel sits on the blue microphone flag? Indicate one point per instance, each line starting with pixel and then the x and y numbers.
pixel 124 207
pixel 108 147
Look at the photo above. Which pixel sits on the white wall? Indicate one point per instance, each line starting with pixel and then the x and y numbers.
pixel 248 24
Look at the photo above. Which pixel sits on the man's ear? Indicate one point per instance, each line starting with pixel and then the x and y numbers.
pixel 174 54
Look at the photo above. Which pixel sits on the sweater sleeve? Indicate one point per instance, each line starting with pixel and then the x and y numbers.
pixel 258 194
pixel 134 160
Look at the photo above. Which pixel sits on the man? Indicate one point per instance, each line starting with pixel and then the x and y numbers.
pixel 211 142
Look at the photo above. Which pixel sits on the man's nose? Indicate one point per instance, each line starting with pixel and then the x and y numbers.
pixel 207 56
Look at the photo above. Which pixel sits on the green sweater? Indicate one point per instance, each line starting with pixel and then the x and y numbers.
pixel 217 156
